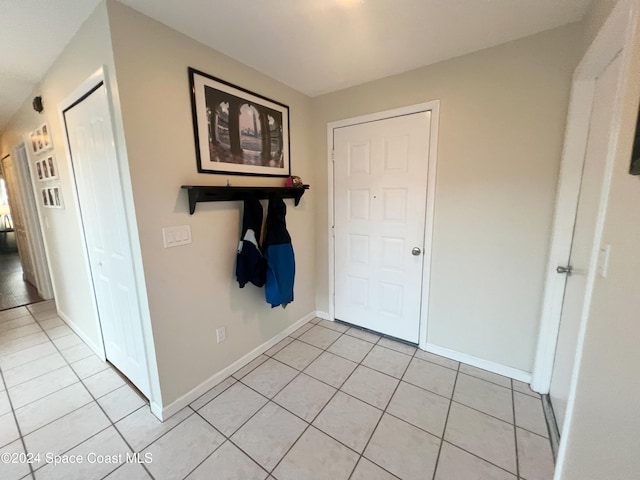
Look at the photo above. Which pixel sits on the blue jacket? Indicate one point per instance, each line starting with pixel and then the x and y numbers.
pixel 278 253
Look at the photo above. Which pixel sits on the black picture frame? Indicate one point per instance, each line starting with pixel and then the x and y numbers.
pixel 228 129
pixel 634 168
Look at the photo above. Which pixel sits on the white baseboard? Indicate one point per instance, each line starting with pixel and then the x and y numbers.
pixel 322 315
pixel 97 349
pixel 174 407
pixel 488 365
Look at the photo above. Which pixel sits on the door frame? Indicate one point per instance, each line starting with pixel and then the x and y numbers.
pixel 434 108
pixel 615 37
pixel 85 88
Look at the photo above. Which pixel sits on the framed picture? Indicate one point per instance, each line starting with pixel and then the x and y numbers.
pixel 236 131
pixel 33 136
pixel 47 169
pixel 57 197
pixel 41 139
pixel 46 138
pixel 49 165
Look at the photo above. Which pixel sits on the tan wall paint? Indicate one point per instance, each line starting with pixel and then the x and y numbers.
pixel 87 52
pixel 502 118
pixel 603 440
pixel 191 289
pixel 597 13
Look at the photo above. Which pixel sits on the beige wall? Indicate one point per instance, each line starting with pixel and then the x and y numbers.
pixel 603 440
pixel 595 17
pixel 86 53
pixel 191 289
pixel 502 120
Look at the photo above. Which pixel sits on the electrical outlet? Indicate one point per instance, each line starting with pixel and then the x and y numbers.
pixel 221 334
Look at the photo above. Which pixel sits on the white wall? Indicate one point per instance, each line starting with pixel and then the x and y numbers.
pixel 192 290
pixel 87 51
pixel 602 440
pixel 502 118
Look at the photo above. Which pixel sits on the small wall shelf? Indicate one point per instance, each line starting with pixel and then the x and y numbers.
pixel 226 194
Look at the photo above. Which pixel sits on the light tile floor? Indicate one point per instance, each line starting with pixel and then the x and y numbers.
pixel 328 402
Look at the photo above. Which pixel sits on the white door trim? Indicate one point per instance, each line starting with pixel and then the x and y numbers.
pixel 616 33
pixel 434 108
pixel 619 34
pixel 100 76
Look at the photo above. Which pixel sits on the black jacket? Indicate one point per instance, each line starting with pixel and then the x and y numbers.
pixel 250 265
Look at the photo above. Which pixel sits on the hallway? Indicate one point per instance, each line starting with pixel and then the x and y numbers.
pixel 14 290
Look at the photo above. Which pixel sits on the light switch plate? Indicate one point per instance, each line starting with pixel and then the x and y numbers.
pixel 176 236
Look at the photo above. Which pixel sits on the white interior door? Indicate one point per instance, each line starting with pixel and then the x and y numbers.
pixel 32 223
pixel 95 165
pixel 18 218
pixel 380 188
pixel 585 245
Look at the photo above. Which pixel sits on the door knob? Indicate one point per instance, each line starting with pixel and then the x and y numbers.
pixel 416 251
pixel 566 269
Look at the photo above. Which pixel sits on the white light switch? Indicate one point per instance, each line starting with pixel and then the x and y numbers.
pixel 176 236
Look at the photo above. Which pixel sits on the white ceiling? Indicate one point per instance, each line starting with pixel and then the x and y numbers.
pixel 314 46
pixel 32 34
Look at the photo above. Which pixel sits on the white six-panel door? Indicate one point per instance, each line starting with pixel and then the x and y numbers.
pixel 92 147
pixel 380 191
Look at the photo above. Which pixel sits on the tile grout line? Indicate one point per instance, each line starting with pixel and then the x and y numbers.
pixel 450 404
pixel 337 389
pixel 37 376
pixel 446 421
pixel 15 419
pixel 13 410
pixel 515 430
pixel 310 424
pixel 48 394
pixel 226 439
pixel 3 354
pixel 384 410
pixel 493 416
pixel 95 400
pixel 360 455
pixel 270 400
pixel 481 458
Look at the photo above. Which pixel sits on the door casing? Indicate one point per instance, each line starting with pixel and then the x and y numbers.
pixel 612 39
pixel 617 36
pixel 101 76
pixel 434 108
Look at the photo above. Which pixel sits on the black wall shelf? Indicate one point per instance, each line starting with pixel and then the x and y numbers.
pixel 226 194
